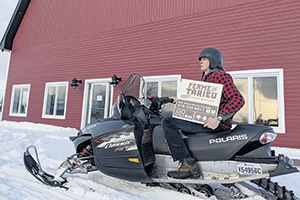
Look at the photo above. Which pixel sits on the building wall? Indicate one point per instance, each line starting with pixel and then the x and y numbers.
pixel 65 19
pixel 64 39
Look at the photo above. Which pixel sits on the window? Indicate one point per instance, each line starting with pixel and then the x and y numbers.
pixel 264 97
pixel 98 96
pixel 19 100
pixel 162 86
pixel 55 100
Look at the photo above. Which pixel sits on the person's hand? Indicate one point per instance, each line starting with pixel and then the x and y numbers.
pixel 212 123
pixel 174 98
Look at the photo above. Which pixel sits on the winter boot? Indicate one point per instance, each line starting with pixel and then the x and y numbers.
pixel 188 169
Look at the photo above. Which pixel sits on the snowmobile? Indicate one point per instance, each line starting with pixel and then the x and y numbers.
pixel 131 146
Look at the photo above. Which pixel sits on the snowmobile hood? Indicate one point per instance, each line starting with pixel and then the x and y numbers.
pixel 105 126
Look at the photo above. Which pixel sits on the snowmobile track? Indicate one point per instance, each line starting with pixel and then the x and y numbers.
pixel 280 192
pixel 267 189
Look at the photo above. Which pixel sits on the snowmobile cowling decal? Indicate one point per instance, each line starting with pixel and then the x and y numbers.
pixel 228 139
pixel 117 144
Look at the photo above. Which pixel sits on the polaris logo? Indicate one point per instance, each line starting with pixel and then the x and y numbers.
pixel 228 139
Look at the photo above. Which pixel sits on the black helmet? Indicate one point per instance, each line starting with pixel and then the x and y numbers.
pixel 214 56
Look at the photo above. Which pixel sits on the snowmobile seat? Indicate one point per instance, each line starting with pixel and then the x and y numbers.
pixel 160 145
pixel 201 134
pixel 228 142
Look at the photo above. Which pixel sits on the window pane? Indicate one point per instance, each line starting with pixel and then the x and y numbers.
pixel 98 103
pixel 24 101
pixel 265 102
pixel 151 89
pixel 16 100
pixel 50 101
pixel 242 115
pixel 60 105
pixel 169 88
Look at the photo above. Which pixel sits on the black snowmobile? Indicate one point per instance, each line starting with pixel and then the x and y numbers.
pixel 131 146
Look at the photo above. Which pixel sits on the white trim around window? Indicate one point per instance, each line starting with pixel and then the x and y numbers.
pixel 250 74
pixel 56 86
pixel 86 94
pixel 163 78
pixel 19 107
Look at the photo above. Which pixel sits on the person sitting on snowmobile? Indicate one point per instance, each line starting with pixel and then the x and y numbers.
pixel 211 62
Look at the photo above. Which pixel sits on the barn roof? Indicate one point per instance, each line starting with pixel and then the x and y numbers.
pixel 13 26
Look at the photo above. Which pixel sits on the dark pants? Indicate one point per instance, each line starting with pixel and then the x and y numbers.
pixel 175 141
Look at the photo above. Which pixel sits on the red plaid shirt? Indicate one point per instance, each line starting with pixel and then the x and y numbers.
pixel 231 101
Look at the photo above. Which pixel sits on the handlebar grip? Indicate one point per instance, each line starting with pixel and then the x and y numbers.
pixel 166 100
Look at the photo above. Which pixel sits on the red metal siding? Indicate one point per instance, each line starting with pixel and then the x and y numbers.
pixel 55 20
pixel 96 39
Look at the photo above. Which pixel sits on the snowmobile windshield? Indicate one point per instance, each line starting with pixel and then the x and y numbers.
pixel 134 86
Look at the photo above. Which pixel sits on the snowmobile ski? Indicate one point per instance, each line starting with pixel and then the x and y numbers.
pixel 34 167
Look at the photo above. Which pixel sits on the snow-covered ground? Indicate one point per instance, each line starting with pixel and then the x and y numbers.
pixel 54 146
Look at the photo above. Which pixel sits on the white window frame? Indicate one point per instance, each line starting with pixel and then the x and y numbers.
pixel 163 78
pixel 86 97
pixel 56 84
pixel 12 100
pixel 280 92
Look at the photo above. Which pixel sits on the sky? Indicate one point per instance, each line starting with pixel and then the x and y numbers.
pixel 7 8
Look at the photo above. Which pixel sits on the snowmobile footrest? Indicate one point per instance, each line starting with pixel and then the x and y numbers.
pixel 284 166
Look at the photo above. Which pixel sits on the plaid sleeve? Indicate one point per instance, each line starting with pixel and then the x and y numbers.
pixel 231 98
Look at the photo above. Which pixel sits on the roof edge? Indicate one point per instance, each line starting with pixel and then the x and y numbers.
pixel 13 26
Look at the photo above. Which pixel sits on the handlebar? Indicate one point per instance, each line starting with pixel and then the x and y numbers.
pixel 126 105
pixel 157 102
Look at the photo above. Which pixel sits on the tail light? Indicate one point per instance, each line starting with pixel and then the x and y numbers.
pixel 267 137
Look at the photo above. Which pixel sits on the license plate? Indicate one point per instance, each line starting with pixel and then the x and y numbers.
pixel 249 169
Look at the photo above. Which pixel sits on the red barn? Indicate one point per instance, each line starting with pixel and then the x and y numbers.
pixel 53 42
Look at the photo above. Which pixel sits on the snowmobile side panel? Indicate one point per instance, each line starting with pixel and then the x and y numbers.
pixel 244 137
pixel 117 153
pixel 229 143
pixel 85 135
pixel 261 151
pixel 160 145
